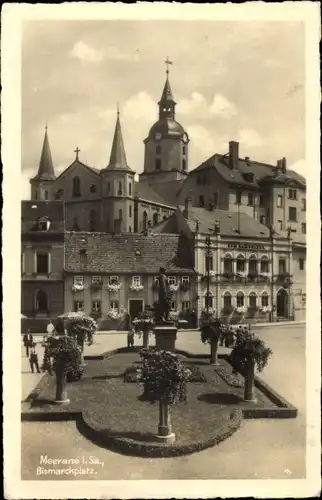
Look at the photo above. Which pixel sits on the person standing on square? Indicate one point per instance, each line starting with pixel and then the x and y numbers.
pixel 50 329
pixel 27 341
pixel 33 359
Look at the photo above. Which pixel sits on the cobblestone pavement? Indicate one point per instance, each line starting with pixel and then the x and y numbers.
pixel 262 449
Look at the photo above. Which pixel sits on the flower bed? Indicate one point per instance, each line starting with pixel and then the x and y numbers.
pixel 232 379
pixel 195 375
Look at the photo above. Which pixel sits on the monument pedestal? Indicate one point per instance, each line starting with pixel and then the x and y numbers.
pixel 165 336
pixel 165 433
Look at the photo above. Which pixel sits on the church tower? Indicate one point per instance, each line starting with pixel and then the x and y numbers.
pixel 166 147
pixel 42 184
pixel 118 188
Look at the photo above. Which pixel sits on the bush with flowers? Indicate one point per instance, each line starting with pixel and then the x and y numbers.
pixel 143 323
pixel 174 287
pixel 63 357
pixel 77 288
pixel 163 376
pixel 248 347
pixel 136 287
pixel 113 287
pixel 114 314
pixel 80 327
pixel 211 331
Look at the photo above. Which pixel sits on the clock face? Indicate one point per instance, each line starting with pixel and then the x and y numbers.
pixel 158 136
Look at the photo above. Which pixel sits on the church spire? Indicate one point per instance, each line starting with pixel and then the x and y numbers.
pixel 118 156
pixel 167 103
pixel 46 167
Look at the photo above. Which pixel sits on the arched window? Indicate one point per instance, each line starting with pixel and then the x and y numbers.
pixel 252 300
pixel 228 264
pixel 264 299
pixel 108 187
pixel 130 229
pixel 240 264
pixel 240 299
pixel 130 189
pixel 184 165
pixel 155 218
pixel 227 300
pixel 158 164
pixel 158 150
pixel 264 264
pixel 92 220
pixel 183 150
pixel 41 301
pixel 252 264
pixel 120 214
pixel 46 195
pixel 145 220
pixel 120 189
pixel 76 186
pixel 130 210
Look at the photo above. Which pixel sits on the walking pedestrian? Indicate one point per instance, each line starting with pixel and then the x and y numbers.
pixel 130 338
pixel 33 359
pixel 27 341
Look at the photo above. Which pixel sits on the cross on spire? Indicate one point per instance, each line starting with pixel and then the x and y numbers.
pixel 168 63
pixel 77 150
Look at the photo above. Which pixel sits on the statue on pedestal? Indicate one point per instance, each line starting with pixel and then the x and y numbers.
pixel 163 306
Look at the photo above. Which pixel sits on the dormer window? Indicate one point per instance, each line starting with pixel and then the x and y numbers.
pixel 43 224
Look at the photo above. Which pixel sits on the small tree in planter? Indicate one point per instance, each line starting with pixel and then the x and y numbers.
pixel 64 358
pixel 249 352
pixel 144 323
pixel 81 328
pixel 164 379
pixel 211 330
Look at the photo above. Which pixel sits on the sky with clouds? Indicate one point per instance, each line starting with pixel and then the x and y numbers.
pixel 236 80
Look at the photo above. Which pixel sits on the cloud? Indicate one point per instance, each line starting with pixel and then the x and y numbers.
pixel 196 103
pixel 114 53
pixel 204 144
pixel 139 107
pixel 85 53
pixel 249 138
pixel 299 166
pixel 223 107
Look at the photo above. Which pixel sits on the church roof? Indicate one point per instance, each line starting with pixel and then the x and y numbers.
pixel 46 167
pixel 166 95
pixel 125 253
pixel 146 192
pixel 167 126
pixel 118 156
pixel 169 190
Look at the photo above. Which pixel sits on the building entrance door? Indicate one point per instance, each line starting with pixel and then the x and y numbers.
pixel 282 303
pixel 135 307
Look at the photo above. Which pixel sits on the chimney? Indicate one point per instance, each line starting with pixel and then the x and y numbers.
pixel 283 165
pixel 233 155
pixel 187 207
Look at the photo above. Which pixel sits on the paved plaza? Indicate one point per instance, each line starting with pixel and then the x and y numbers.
pixel 263 449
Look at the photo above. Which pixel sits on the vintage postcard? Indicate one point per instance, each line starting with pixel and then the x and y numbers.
pixel 161 239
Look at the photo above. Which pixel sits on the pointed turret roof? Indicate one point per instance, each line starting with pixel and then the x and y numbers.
pixel 118 156
pixel 46 168
pixel 167 92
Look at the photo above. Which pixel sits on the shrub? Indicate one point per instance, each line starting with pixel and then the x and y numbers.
pixel 248 347
pixel 62 354
pixel 164 377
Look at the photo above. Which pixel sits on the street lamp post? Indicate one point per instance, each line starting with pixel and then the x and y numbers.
pixel 208 256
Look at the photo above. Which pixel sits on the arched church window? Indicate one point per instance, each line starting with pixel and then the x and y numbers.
pixel 184 165
pixel 130 210
pixel 108 187
pixel 130 189
pixel 120 214
pixel 158 150
pixel 76 186
pixel 46 195
pixel 41 301
pixel 183 150
pixel 155 218
pixel 145 220
pixel 158 164
pixel 120 189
